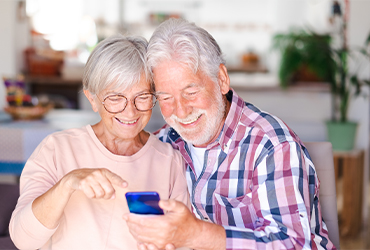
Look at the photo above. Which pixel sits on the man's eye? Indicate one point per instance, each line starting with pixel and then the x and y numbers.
pixel 164 98
pixel 193 93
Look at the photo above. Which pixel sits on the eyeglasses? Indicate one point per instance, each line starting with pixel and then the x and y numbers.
pixel 117 103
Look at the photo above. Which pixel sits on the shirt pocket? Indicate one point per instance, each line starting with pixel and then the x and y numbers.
pixel 237 211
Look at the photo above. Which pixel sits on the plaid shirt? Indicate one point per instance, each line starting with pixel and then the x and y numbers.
pixel 258 182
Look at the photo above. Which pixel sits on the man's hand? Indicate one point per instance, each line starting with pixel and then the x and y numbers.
pixel 178 226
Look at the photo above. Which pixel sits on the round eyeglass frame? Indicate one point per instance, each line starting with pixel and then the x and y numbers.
pixel 127 100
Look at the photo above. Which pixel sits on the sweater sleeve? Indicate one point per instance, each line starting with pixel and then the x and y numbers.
pixel 38 176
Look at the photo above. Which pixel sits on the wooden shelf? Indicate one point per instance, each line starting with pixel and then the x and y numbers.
pixel 55 86
pixel 52 80
pixel 247 68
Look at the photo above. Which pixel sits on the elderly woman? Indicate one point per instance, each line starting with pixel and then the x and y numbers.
pixel 73 186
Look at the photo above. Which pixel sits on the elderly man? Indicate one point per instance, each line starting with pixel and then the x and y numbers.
pixel 251 181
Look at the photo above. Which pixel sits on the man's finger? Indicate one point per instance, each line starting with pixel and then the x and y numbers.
pixel 171 205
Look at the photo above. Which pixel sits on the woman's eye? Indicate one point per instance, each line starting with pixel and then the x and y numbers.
pixel 115 98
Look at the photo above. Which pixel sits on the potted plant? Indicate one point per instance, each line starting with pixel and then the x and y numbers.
pixel 305 56
pixel 314 53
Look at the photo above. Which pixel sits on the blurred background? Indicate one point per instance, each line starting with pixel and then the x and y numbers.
pixel 44 45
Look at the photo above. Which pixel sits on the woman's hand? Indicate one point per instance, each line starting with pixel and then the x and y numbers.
pixel 94 183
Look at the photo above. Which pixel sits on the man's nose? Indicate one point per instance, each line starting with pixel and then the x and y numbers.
pixel 183 108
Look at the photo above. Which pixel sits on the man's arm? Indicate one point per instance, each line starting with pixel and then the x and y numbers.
pixel 283 192
pixel 279 203
pixel 178 227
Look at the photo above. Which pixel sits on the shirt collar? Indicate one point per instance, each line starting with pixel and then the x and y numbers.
pixel 232 119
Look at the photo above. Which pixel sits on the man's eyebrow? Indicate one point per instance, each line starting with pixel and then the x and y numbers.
pixel 191 85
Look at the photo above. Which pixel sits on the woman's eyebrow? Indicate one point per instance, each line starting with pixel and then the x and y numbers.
pixel 120 93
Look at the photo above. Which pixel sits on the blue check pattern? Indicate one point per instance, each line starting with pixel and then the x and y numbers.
pixel 257 181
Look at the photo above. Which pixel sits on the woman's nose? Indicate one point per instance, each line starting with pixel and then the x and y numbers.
pixel 130 108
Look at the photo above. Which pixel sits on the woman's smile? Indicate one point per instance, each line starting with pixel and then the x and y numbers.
pixel 132 122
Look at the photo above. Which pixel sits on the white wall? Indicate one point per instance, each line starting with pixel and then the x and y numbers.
pixel 7 46
pixel 14 38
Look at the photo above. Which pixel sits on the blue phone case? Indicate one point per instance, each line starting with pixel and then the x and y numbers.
pixel 143 202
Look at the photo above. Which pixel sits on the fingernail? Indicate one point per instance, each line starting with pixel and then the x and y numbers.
pixel 113 196
pixel 124 184
pixel 164 202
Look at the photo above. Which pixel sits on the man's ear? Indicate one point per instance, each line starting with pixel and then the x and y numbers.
pixel 223 79
pixel 91 99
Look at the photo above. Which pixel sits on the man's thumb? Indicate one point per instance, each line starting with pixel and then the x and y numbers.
pixel 167 205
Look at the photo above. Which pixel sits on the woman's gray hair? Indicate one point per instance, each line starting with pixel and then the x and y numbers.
pixel 186 43
pixel 116 62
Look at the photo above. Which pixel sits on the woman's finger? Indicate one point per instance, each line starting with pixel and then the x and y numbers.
pixel 115 179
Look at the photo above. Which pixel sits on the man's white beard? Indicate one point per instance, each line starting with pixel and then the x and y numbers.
pixel 200 136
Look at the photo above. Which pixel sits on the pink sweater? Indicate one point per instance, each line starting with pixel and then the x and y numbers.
pixel 90 223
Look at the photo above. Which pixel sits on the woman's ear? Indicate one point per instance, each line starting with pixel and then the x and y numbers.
pixel 91 99
pixel 223 79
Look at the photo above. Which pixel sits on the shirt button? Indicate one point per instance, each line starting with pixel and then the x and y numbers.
pixel 301 215
pixel 206 219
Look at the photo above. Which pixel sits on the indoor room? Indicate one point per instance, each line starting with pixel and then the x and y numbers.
pixel 304 61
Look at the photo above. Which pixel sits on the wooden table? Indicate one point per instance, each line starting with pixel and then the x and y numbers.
pixel 349 167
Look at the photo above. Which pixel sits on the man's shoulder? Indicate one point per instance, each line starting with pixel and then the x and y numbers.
pixel 162 133
pixel 163 148
pixel 268 124
pixel 169 135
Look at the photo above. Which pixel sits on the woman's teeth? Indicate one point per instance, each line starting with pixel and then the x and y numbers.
pixel 124 122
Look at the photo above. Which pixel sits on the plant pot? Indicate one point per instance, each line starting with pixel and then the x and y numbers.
pixel 342 135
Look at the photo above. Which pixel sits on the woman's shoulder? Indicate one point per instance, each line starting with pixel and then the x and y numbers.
pixel 74 134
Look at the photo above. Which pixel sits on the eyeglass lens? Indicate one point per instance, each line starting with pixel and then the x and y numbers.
pixel 117 103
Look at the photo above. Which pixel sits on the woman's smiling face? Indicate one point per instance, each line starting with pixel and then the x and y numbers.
pixel 128 123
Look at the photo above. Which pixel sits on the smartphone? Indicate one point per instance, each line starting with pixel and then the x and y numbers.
pixel 143 202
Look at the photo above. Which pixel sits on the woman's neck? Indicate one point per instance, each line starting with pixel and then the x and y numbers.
pixel 120 146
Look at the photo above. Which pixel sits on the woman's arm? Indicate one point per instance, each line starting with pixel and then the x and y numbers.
pixel 36 217
pixel 94 183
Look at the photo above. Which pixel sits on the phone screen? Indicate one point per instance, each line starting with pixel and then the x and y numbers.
pixel 143 202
